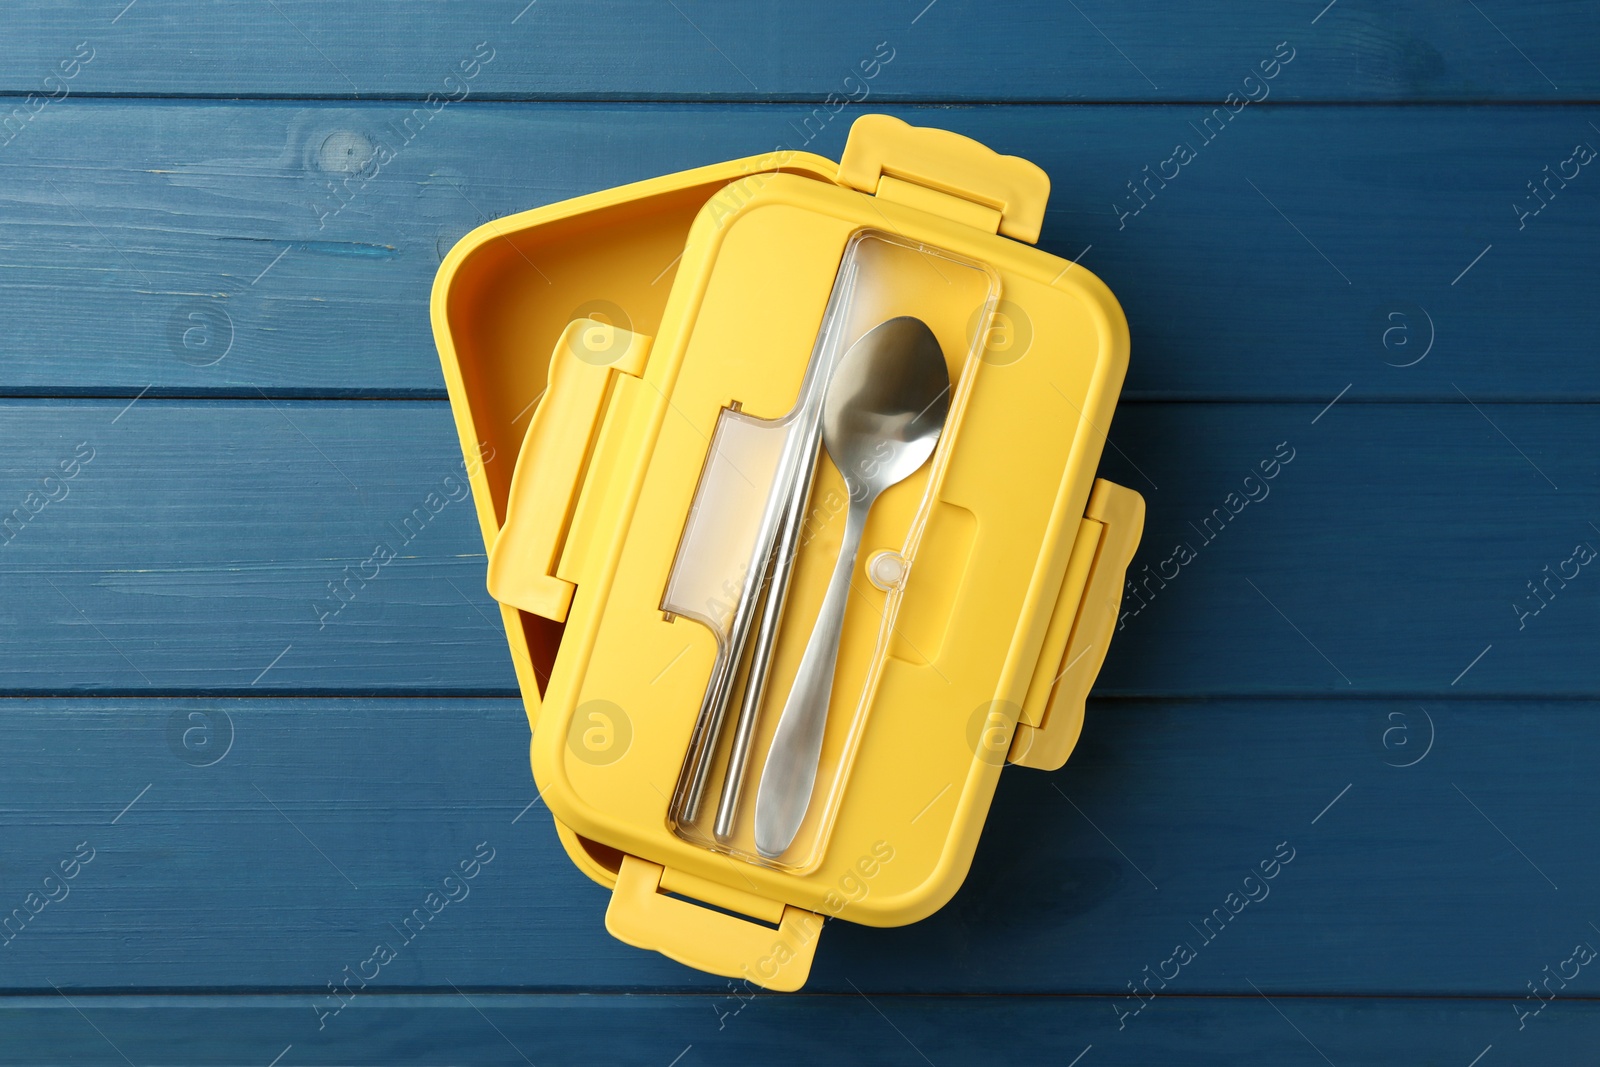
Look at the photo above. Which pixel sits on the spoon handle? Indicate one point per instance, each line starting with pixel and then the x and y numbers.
pixel 791 769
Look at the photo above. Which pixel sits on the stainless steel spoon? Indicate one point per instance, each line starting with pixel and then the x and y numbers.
pixel 885 407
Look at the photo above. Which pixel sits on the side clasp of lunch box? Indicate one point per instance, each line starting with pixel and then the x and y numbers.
pixel 802 541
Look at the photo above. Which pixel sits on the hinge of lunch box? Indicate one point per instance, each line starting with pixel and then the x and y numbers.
pixel 558 504
pixel 1080 628
pixel 946 174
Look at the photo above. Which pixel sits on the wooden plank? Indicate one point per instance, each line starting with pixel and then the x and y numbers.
pixel 512 1029
pixel 264 845
pixel 1397 546
pixel 954 50
pixel 330 546
pixel 195 550
pixel 218 249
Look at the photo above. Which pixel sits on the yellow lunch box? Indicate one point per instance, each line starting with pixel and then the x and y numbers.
pixel 684 403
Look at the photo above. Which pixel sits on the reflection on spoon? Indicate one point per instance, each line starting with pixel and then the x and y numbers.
pixel 885 407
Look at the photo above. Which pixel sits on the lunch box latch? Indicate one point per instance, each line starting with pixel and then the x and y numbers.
pixel 1080 629
pixel 945 174
pixel 579 431
pixel 645 913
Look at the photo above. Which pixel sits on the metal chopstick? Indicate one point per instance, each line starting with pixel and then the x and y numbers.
pixel 784 554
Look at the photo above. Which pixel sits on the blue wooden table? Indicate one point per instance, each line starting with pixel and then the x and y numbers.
pixel 1359 235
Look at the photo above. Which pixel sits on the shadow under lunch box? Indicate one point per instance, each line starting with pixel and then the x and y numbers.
pixel 655 387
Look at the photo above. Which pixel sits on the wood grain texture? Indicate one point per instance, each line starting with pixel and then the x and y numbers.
pixel 195 551
pixel 266 844
pixel 510 1029
pixel 219 397
pixel 948 50
pixel 1399 544
pixel 244 547
pixel 217 249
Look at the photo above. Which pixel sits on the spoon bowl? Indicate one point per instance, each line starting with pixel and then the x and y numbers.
pixel 886 405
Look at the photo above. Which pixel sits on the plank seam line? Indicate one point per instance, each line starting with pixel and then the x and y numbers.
pixel 109 997
pixel 109 394
pixel 1444 697
pixel 782 100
